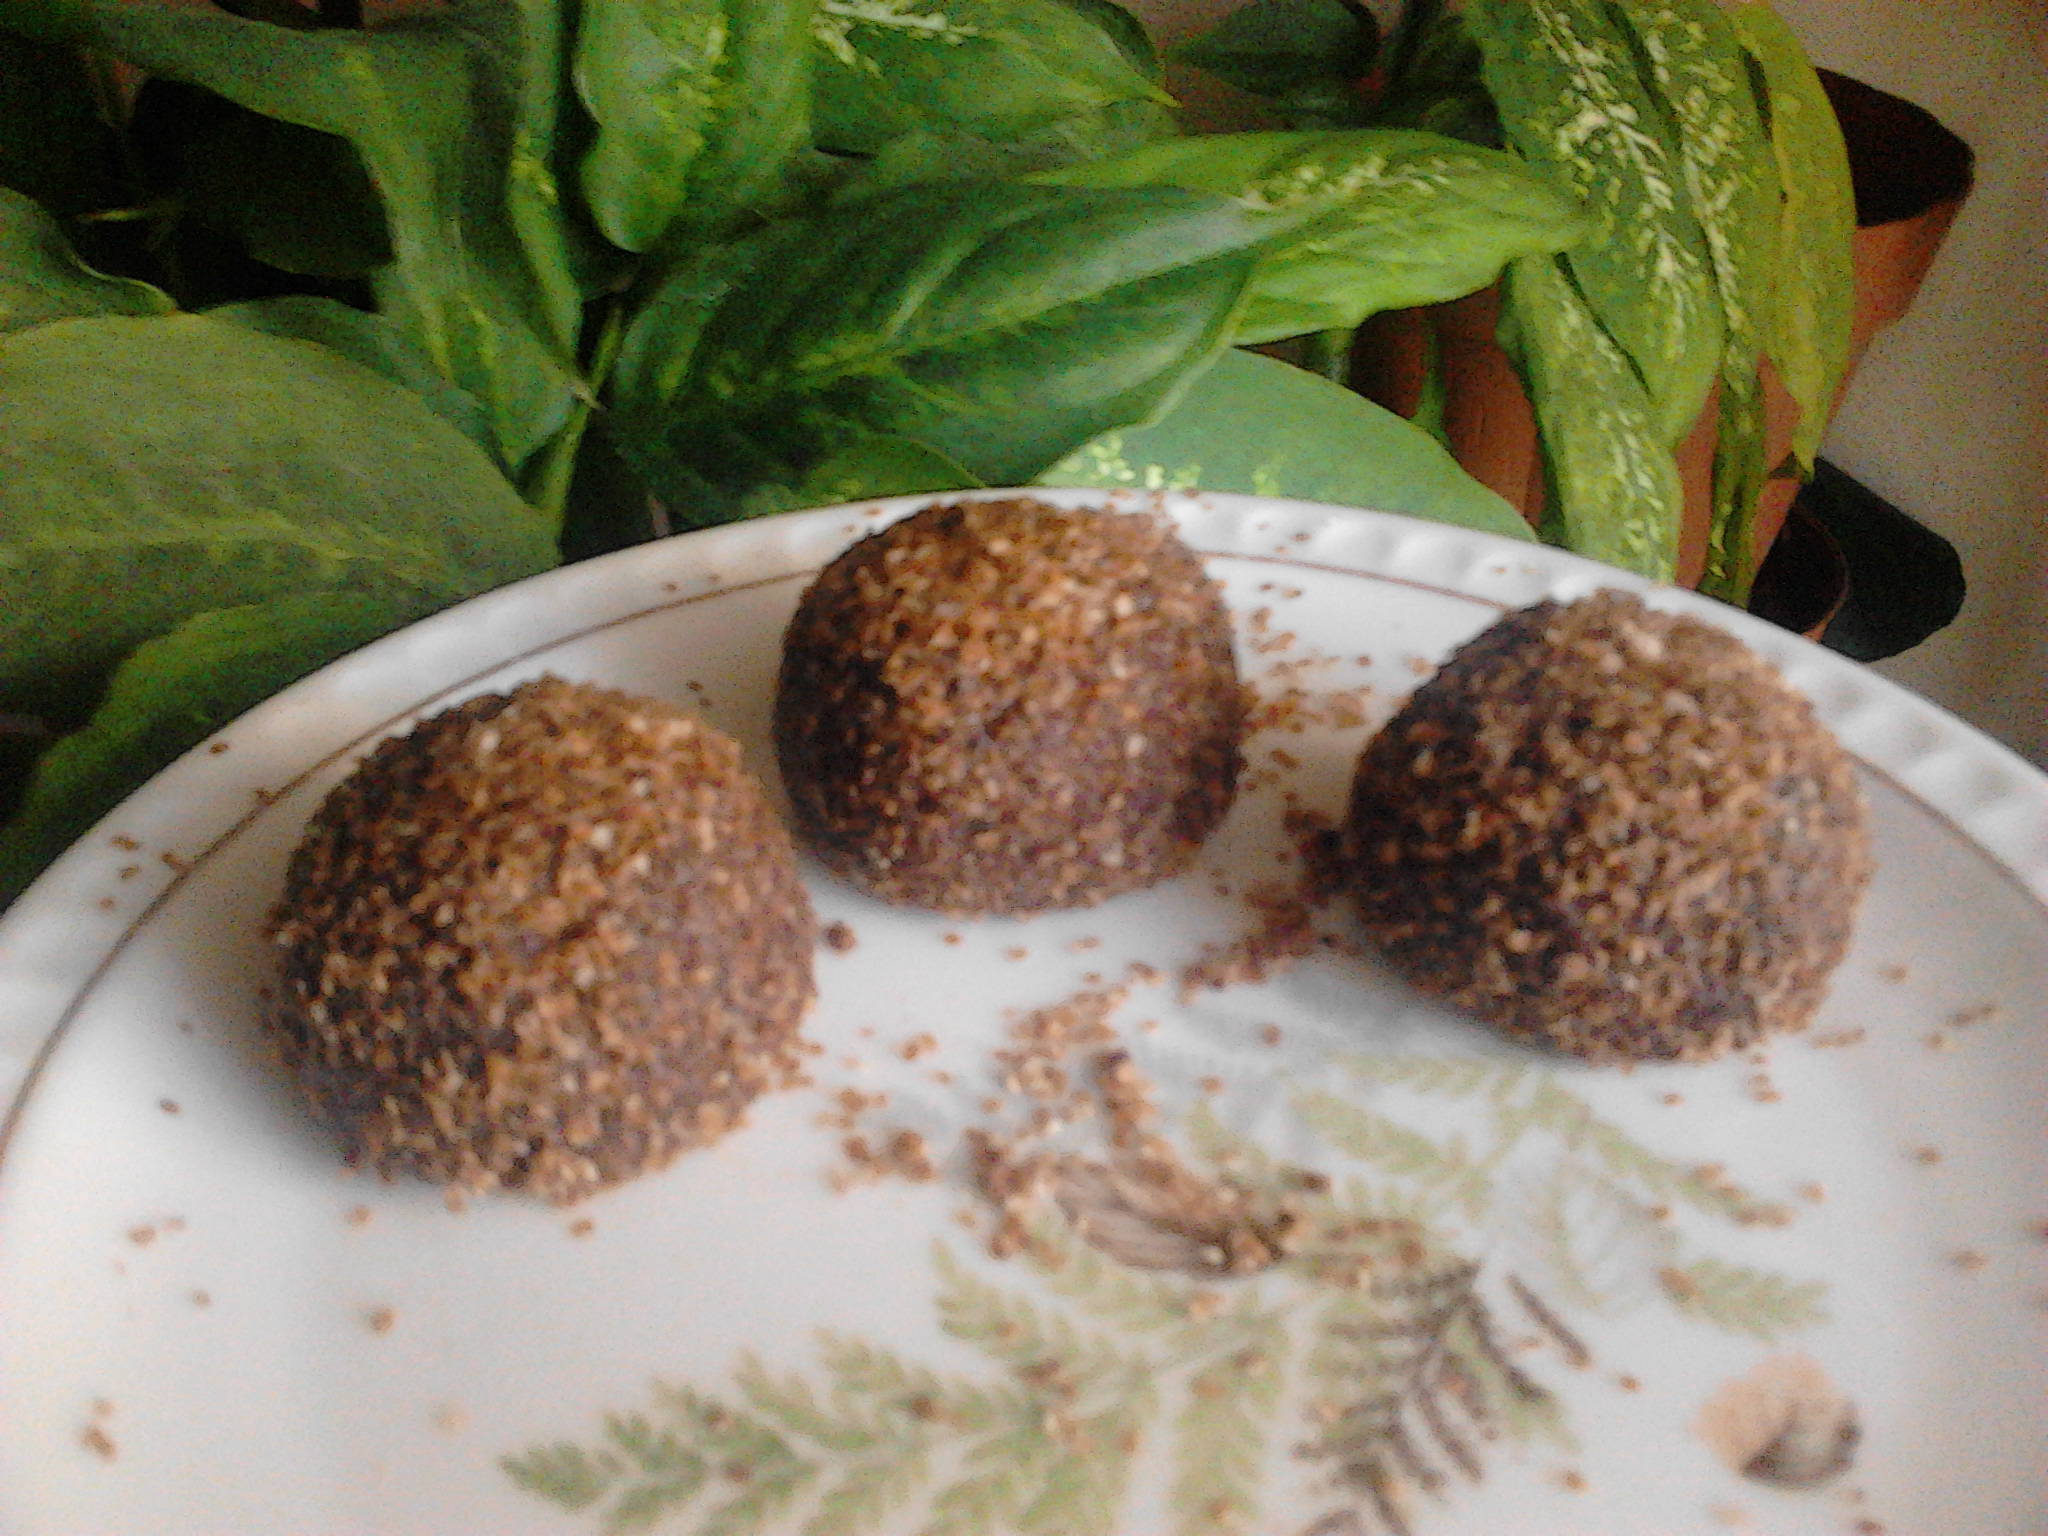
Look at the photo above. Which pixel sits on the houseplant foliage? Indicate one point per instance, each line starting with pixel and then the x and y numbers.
pixel 401 311
pixel 1699 141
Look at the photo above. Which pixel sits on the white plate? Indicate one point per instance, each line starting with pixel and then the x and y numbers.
pixel 190 1284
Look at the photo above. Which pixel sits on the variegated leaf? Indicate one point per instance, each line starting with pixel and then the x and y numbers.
pixel 1806 327
pixel 1612 486
pixel 1571 97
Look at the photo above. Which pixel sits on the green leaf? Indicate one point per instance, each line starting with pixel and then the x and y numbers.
pixel 1700 73
pixel 1571 98
pixel 1806 326
pixel 1612 490
pixel 1740 472
pixel 1435 82
pixel 366 339
pixel 171 694
pixel 154 469
pixel 42 279
pixel 1256 425
pixel 1003 70
pixel 996 324
pixel 407 98
pixel 521 82
pixel 1281 49
pixel 699 104
pixel 1125 30
pixel 1381 218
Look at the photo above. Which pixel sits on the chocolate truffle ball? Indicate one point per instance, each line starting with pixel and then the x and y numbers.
pixel 546 941
pixel 1006 707
pixel 1614 830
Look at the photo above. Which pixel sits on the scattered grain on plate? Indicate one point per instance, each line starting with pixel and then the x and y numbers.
pixel 1969 1260
pixel 125 843
pixel 949 938
pixel 1016 952
pixel 451 1418
pixel 1977 1013
pixel 1572 1480
pixel 381 1319
pixel 1927 1157
pixel 1628 1383
pixel 582 1226
pixel 1893 973
pixel 1836 1039
pixel 142 1236
pixel 128 872
pixel 1270 1034
pixel 839 937
pixel 1938 1041
pixel 1673 1098
pixel 357 1216
pixel 168 1106
pixel 96 1439
pixel 201 1298
pixel 1813 1192
pixel 918 1046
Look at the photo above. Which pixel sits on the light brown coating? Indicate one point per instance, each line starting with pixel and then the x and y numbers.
pixel 546 941
pixel 1005 707
pixel 1612 829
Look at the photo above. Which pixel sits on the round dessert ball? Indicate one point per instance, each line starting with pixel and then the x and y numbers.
pixel 546 941
pixel 1006 707
pixel 1613 830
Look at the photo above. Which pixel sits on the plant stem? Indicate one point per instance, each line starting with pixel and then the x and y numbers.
pixel 1329 354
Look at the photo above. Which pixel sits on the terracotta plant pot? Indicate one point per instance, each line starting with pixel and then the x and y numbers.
pixel 1910 174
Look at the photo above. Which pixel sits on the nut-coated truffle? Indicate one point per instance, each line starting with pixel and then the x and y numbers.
pixel 1614 830
pixel 1006 707
pixel 545 941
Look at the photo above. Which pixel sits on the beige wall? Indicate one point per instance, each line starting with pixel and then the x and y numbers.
pixel 1948 415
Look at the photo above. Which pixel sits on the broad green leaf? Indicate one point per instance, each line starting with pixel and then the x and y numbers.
pixel 1312 53
pixel 699 104
pixel 1612 487
pixel 1571 97
pixel 42 279
pixel 171 694
pixel 860 470
pixel 1697 68
pixel 1125 30
pixel 522 46
pixel 53 145
pixel 1740 471
pixel 998 324
pixel 1806 326
pixel 1381 218
pixel 1006 70
pixel 369 340
pixel 1256 425
pixel 151 470
pixel 405 96
pixel 1434 79
pixel 1699 73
